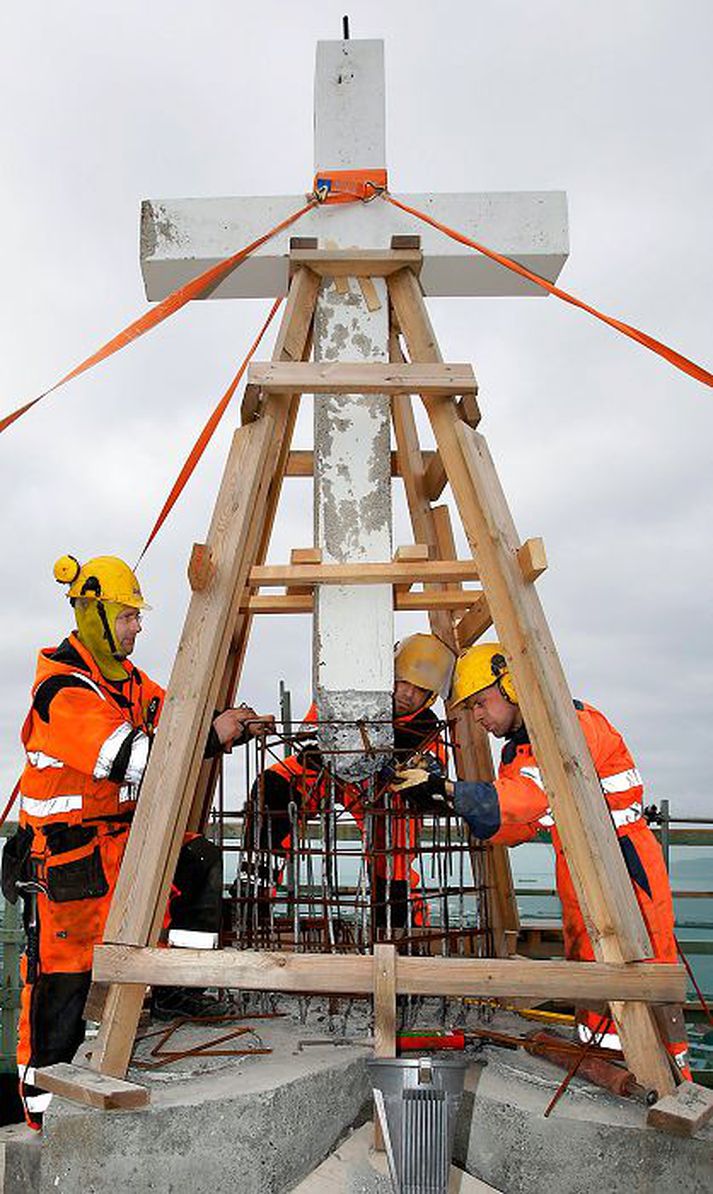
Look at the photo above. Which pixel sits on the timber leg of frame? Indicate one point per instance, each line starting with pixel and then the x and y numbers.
pixel 599 874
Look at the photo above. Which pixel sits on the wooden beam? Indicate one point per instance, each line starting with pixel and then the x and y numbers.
pixel 389 573
pixel 292 603
pixel 602 883
pixel 474 623
pixel 385 1000
pixel 356 263
pixel 169 782
pixel 342 974
pixel 384 1015
pixel 473 757
pixel 293 343
pixel 359 377
pixel 93 1090
pixel 300 463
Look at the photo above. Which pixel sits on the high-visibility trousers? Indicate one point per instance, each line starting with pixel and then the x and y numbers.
pixel 647 870
pixel 78 867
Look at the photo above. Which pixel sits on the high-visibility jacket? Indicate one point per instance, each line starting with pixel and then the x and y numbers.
pixel 86 739
pixel 516 807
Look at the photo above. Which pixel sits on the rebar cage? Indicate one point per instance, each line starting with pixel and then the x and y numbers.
pixel 314 863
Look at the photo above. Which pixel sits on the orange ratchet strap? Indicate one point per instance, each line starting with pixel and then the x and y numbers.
pixel 168 306
pixel 204 438
pixel 344 186
pixel 663 350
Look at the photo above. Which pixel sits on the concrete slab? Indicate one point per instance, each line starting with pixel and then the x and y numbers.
pixel 253 1125
pixel 592 1140
pixel 20 1151
pixel 355 1168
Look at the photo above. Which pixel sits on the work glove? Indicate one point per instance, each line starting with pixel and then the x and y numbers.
pixel 422 790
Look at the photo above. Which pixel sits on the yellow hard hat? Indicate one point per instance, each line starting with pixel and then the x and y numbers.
pixel 105 578
pixel 423 660
pixel 477 668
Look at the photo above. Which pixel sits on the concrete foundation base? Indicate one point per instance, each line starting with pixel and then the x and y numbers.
pixel 591 1141
pixel 264 1124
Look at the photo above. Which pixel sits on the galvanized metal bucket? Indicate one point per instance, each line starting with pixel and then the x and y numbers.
pixel 417 1101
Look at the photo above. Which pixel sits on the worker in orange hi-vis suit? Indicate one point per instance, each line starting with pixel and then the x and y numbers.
pixel 423 667
pixel 87 739
pixel 515 807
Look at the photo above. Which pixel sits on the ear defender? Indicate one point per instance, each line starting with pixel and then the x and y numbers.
pixel 66 570
pixel 499 668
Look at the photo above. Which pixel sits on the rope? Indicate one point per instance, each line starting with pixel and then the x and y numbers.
pixel 205 436
pixel 669 354
pixel 196 288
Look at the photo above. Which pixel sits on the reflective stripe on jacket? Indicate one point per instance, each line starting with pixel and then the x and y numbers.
pixel 86 740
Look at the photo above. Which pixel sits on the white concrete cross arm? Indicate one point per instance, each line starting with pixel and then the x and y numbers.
pixel 182 237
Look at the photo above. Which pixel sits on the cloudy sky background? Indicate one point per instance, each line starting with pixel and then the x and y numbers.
pixel 603 448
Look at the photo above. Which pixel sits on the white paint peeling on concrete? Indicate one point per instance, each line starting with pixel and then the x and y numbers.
pixel 353 625
pixel 182 237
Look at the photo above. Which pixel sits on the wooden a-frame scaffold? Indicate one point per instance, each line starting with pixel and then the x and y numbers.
pixel 226 574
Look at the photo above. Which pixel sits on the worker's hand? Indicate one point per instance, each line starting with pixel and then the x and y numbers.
pixel 424 791
pixel 235 726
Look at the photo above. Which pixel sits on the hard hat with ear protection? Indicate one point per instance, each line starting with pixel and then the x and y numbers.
pixel 105 578
pixel 479 667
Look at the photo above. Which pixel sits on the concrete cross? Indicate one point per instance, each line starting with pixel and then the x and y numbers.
pixel 353 626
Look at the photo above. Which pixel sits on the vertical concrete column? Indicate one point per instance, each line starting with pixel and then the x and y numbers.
pixel 353 624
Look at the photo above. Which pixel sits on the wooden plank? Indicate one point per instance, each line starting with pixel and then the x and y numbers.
pixel 356 263
pixel 599 874
pixel 300 463
pixel 384 1015
pixel 292 343
pixel 360 377
pixel 165 800
pixel 368 289
pixel 474 623
pixel 683 1112
pixel 289 603
pixel 339 974
pixel 474 761
pixel 388 572
pixel 532 559
pixel 384 1000
pixel 82 1085
pixel 472 756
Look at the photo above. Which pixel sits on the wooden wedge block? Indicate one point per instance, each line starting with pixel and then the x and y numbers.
pixel 93 1090
pixel 684 1111
pixel 201 568
pixel 532 559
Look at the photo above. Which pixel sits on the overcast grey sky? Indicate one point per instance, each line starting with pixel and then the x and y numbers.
pixel 603 448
